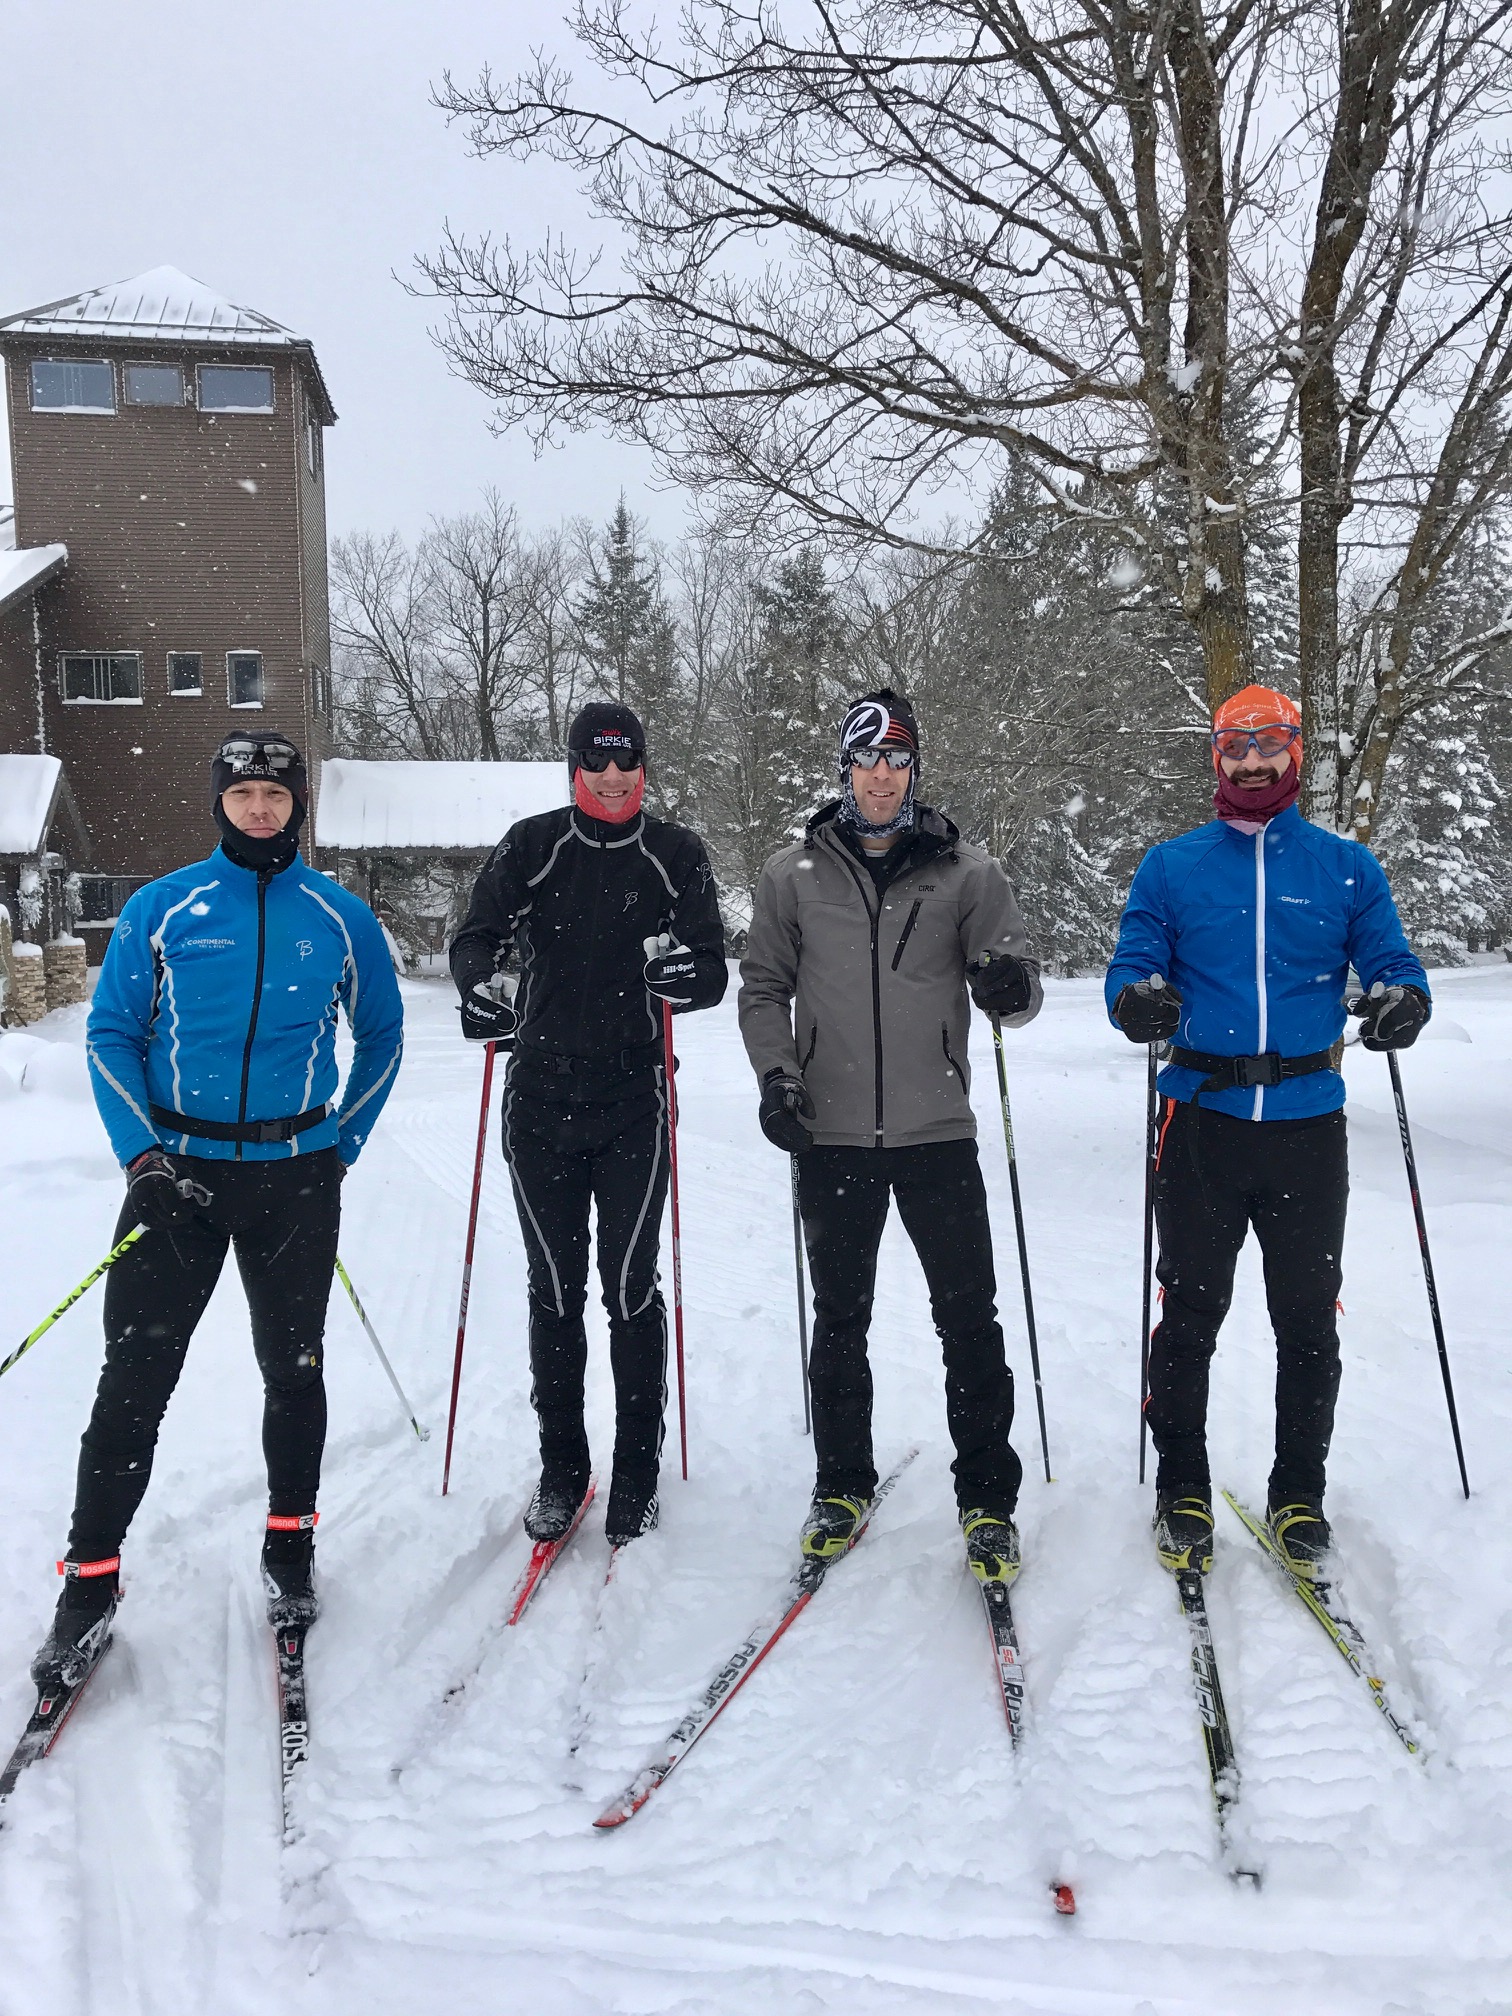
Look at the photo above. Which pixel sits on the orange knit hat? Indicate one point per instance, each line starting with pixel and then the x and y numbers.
pixel 1260 707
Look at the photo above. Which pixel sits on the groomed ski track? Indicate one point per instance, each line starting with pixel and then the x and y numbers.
pixel 856 1834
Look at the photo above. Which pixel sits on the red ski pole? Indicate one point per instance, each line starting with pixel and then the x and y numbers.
pixel 472 1233
pixel 677 1315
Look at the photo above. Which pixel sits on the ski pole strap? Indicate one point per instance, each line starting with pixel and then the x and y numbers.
pixel 1230 1074
pixel 82 1571
pixel 293 1522
pixel 259 1131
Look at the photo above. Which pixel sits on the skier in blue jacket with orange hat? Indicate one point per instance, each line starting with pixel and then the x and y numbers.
pixel 211 1047
pixel 1235 948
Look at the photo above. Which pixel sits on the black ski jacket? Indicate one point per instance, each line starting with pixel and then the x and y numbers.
pixel 575 898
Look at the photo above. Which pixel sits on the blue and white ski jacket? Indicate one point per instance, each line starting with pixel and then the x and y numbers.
pixel 218 999
pixel 1257 931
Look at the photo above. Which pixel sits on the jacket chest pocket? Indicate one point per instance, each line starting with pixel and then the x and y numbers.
pixel 916 926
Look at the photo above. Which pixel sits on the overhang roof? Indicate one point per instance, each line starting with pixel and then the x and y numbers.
pixel 28 796
pixel 26 567
pixel 162 305
pixel 431 808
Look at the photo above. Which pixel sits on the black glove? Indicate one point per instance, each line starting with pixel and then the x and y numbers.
pixel 1000 984
pixel 1391 1016
pixel 783 1097
pixel 670 970
pixel 1148 1011
pixel 159 1194
pixel 487 1020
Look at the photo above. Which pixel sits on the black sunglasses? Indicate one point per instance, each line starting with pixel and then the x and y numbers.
pixel 250 753
pixel 623 759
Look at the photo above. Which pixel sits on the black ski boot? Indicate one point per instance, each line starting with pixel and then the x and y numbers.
pixel 1302 1536
pixel 1184 1532
pixel 831 1526
pixel 554 1502
pixel 80 1627
pixel 992 1545
pixel 634 1508
pixel 288 1572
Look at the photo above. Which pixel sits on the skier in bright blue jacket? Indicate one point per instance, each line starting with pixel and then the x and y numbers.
pixel 1235 948
pixel 211 1047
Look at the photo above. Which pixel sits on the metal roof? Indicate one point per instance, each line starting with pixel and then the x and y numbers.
pixel 431 807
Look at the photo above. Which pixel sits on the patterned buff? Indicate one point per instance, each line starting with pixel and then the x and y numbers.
pixel 1257 707
pixel 881 720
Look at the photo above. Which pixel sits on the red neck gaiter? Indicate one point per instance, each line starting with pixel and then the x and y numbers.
pixel 1256 808
pixel 595 808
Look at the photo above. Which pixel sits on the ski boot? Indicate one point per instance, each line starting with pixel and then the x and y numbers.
pixel 554 1502
pixel 1184 1532
pixel 992 1545
pixel 831 1526
pixel 81 1624
pixel 634 1508
pixel 1300 1535
pixel 288 1571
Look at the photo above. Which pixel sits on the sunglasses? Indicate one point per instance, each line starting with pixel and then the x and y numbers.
pixel 623 759
pixel 246 754
pixel 868 759
pixel 1267 741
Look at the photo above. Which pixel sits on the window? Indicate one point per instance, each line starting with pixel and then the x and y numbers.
pixel 320 689
pixel 312 445
pixel 235 388
pixel 186 673
pixel 72 385
pixel 102 676
pixel 244 678
pixel 103 897
pixel 154 385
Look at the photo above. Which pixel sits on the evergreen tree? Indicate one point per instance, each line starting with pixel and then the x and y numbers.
pixel 615 609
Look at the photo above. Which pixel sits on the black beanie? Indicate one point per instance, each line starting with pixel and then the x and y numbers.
pixel 880 720
pixel 604 724
pixel 259 758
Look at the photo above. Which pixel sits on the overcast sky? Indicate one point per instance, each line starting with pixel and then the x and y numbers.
pixel 288 156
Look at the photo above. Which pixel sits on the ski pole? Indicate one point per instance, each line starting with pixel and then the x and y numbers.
pixel 1422 1233
pixel 73 1295
pixel 1023 1249
pixel 677 1306
pixel 808 1423
pixel 1152 1110
pixel 372 1336
pixel 467 1261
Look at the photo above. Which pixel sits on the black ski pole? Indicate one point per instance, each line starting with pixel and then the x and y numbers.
pixel 1023 1249
pixel 1422 1233
pixel 803 1355
pixel 1152 1109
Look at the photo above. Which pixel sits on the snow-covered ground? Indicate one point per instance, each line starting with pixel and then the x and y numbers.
pixel 855 1834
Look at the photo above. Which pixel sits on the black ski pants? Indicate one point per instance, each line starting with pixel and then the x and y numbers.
pixel 282 1217
pixel 1215 1177
pixel 843 1196
pixel 565 1152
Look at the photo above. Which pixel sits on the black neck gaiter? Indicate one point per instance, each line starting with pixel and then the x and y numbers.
pixel 270 855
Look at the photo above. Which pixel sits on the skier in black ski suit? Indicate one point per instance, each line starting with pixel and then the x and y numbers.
pixel 211 1052
pixel 854 1007
pixel 571 897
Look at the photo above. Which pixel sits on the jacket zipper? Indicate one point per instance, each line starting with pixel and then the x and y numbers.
pixel 1260 963
pixel 262 946
pixel 945 1046
pixel 813 1046
pixel 907 932
pixel 876 970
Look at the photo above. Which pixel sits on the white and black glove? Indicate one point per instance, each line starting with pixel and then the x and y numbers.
pixel 159 1194
pixel 670 970
pixel 487 1019
pixel 1390 1017
pixel 1148 1011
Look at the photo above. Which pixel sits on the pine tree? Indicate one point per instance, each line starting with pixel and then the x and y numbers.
pixel 615 609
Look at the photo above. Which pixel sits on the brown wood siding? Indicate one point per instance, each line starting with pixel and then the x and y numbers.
pixel 186 531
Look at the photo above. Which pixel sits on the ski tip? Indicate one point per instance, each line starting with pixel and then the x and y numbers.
pixel 1065 1899
pixel 614 1816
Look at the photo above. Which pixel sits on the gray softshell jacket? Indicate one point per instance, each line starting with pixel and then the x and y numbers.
pixel 866 995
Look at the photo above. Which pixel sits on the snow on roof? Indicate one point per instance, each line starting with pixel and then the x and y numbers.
pixel 431 806
pixel 28 791
pixel 26 567
pixel 162 302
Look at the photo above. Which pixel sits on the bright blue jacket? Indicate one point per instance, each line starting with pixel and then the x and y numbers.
pixel 218 999
pixel 1257 931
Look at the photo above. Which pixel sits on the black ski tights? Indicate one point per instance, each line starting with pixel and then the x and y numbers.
pixel 1217 1176
pixel 282 1217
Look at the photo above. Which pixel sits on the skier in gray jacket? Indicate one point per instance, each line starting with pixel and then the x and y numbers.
pixel 854 1007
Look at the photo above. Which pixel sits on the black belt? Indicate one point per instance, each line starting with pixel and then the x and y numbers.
pixel 1231 1074
pixel 558 1064
pixel 261 1131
